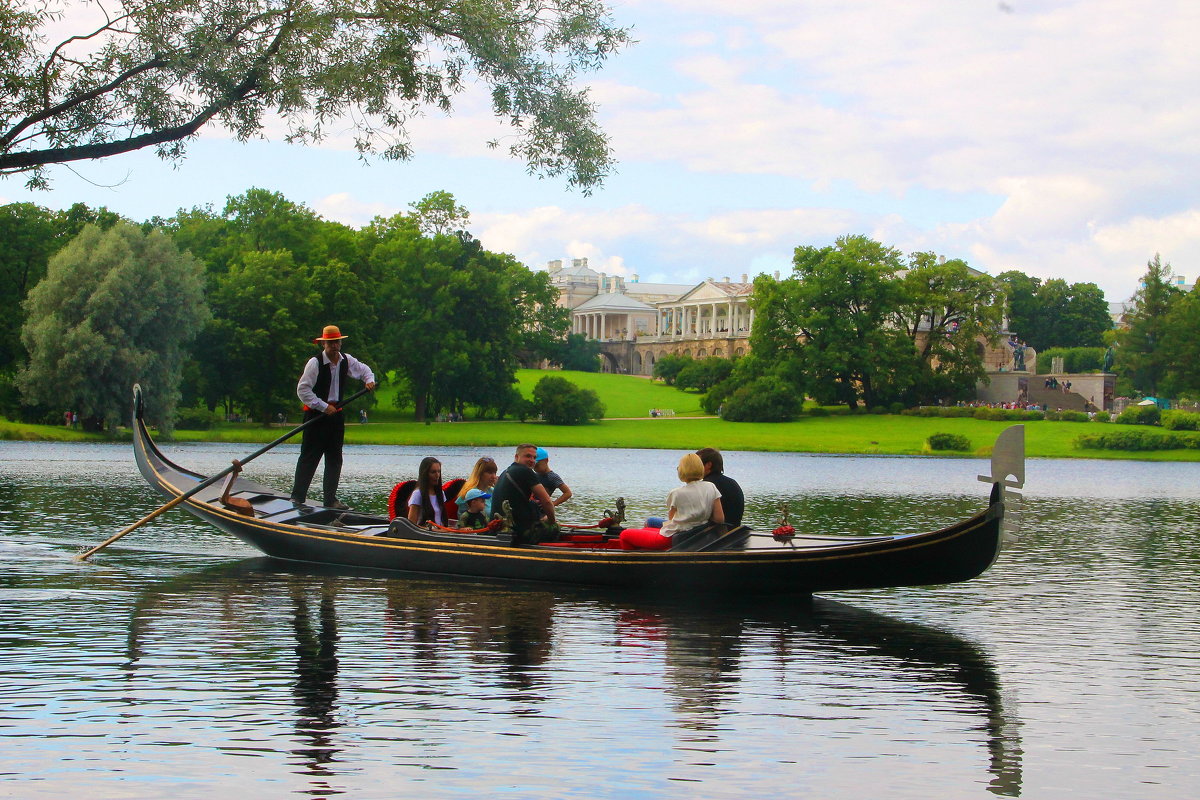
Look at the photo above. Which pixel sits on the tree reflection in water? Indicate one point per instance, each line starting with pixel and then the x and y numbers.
pixel 452 646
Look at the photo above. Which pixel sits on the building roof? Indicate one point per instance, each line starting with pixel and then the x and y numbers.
pixel 616 302
pixel 707 290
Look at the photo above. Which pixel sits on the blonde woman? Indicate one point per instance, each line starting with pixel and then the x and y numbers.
pixel 483 478
pixel 694 503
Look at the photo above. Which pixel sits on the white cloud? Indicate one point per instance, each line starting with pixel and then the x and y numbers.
pixel 344 208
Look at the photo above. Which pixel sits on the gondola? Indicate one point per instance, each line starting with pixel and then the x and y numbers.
pixel 714 559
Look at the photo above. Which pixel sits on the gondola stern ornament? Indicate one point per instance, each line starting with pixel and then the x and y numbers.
pixel 1008 473
pixel 783 531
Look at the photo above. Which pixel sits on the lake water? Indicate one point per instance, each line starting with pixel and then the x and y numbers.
pixel 178 664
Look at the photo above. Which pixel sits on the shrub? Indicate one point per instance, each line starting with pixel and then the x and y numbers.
pixel 1075 359
pixel 1102 416
pixel 561 402
pixel 766 399
pixel 1072 416
pixel 948 441
pixel 896 408
pixel 939 411
pixel 1139 415
pixel 1137 440
pixel 1181 421
pixel 195 419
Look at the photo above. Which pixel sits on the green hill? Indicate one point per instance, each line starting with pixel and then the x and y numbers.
pixel 622 395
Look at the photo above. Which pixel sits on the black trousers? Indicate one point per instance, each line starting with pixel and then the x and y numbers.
pixel 321 439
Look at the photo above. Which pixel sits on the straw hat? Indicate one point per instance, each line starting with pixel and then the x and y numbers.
pixel 330 334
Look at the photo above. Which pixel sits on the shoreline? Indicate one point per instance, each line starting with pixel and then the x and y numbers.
pixel 866 434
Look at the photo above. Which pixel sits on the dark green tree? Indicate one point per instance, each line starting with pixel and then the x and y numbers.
pixel 29 235
pixel 116 307
pixel 841 304
pixel 1053 313
pixel 158 71
pixel 945 311
pixel 265 309
pixel 1181 346
pixel 703 374
pixel 1142 361
pixel 668 367
pixel 579 353
pixel 455 318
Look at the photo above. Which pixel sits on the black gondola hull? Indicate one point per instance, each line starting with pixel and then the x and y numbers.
pixel 957 553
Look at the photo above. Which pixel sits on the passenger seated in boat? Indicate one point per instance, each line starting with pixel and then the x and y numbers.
pixel 694 503
pixel 483 477
pixel 475 517
pixel 427 503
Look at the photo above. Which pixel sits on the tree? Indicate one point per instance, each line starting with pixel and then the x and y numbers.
pixel 1054 313
pixel 1181 346
pixel 153 73
pixel 30 235
pixel 703 374
pixel 438 212
pixel 561 402
pixel 264 311
pixel 946 309
pixel 455 318
pixel 115 308
pixel 577 352
pixel 668 367
pixel 1142 361
pixel 1073 315
pixel 840 303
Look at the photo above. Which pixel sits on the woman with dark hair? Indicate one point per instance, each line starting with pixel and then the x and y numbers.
pixel 427 503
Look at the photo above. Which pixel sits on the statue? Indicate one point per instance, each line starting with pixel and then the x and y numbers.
pixel 1018 354
pixel 1108 359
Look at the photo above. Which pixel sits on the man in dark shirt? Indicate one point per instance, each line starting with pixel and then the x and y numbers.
pixel 733 502
pixel 518 485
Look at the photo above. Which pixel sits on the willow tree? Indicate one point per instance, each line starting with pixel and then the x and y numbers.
pixel 116 307
pixel 152 73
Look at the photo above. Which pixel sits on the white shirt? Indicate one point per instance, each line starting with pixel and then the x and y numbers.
pixel 308 378
pixel 693 504
pixel 439 516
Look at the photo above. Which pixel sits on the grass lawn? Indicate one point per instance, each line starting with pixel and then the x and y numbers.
pixel 627 396
pixel 863 434
pixel 622 395
pixel 17 431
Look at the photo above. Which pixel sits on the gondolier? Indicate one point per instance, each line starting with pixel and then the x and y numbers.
pixel 321 388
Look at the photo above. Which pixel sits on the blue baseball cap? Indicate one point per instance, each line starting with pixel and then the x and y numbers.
pixel 477 494
pixel 542 455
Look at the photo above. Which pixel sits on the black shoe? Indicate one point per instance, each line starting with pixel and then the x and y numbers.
pixel 339 505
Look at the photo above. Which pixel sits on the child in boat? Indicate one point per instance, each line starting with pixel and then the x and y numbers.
pixel 694 503
pixel 474 517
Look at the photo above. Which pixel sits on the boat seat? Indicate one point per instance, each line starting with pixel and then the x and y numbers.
pixel 717 536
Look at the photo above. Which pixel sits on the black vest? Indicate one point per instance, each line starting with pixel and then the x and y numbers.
pixel 324 378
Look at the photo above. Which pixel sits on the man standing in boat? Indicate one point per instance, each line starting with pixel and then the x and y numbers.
pixel 321 389
pixel 518 485
pixel 733 502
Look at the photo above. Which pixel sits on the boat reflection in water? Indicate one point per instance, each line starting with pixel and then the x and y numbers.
pixel 384 671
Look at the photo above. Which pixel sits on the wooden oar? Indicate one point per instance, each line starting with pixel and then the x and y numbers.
pixel 210 481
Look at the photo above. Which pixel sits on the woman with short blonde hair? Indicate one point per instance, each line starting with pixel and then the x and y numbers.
pixel 690 505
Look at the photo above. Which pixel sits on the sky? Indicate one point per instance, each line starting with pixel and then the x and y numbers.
pixel 1060 138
